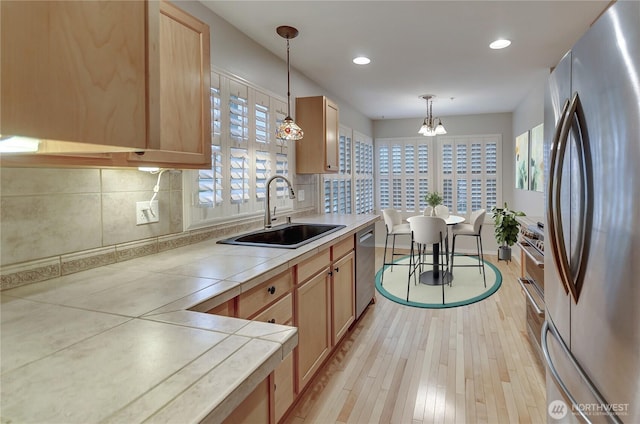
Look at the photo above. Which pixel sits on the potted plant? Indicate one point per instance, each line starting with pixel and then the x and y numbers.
pixel 433 199
pixel 506 231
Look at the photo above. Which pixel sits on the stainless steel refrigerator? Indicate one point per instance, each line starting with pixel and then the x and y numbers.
pixel 591 337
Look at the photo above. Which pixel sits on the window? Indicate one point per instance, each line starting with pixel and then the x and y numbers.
pixel 470 176
pixel 463 169
pixel 245 154
pixel 337 187
pixel 404 173
pixel 363 173
pixel 238 112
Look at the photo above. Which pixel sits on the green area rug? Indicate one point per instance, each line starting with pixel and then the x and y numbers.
pixel 467 286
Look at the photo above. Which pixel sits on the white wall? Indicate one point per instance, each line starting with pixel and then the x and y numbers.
pixel 234 52
pixel 528 114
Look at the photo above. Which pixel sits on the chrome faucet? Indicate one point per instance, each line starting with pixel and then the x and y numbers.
pixel 267 209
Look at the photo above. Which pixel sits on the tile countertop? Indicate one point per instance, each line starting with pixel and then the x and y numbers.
pixel 119 343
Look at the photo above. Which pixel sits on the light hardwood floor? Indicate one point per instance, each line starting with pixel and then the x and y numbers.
pixel 408 365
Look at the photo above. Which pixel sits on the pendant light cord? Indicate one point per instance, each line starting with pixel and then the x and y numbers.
pixel 288 82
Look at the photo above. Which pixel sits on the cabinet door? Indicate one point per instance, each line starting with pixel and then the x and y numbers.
pixel 343 296
pixel 314 332
pixel 331 142
pixel 75 71
pixel 284 387
pixel 255 408
pixel 181 125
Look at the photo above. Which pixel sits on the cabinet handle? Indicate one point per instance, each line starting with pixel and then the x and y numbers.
pixel 271 290
pixel 272 321
pixel 330 273
pixel 337 269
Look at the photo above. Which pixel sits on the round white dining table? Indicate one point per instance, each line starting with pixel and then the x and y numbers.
pixel 434 277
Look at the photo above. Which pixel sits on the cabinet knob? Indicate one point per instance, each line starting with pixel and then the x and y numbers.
pixel 271 290
pixel 337 269
pixel 330 273
pixel 272 321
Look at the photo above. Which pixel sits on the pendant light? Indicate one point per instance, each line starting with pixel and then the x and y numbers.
pixel 428 129
pixel 288 130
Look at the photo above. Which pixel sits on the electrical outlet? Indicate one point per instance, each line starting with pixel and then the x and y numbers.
pixel 145 215
pixel 300 196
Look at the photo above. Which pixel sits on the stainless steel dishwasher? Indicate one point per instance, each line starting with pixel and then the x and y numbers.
pixel 365 268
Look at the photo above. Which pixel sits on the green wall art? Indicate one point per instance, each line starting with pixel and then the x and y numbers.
pixel 536 166
pixel 522 161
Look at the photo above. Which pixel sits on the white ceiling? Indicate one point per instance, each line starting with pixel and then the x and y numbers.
pixel 419 47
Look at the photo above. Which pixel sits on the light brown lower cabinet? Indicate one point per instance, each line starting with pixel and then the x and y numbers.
pixel 255 409
pixel 314 324
pixel 281 312
pixel 342 296
pixel 284 386
pixel 317 297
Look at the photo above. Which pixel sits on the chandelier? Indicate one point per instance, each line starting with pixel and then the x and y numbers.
pixel 288 129
pixel 428 129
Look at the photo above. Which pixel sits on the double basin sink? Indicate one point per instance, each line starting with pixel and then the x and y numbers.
pixel 287 236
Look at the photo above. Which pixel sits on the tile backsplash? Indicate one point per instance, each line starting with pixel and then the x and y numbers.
pixel 59 221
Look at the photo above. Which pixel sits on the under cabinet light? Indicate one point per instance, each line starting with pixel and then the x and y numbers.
pixel 17 144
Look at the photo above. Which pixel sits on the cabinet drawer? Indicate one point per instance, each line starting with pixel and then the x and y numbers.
pixel 279 313
pixel 309 267
pixel 265 294
pixel 342 248
pixel 533 271
pixel 226 309
pixel 534 320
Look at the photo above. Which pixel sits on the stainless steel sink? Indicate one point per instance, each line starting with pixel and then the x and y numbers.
pixel 287 236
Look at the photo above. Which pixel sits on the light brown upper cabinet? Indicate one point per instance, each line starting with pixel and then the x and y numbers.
pixel 317 152
pixel 102 77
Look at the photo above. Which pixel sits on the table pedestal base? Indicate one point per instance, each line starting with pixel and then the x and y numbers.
pixel 433 278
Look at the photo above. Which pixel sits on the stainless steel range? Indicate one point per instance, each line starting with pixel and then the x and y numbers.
pixel 531 243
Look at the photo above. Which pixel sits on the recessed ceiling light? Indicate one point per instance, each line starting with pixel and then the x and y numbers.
pixel 500 44
pixel 361 60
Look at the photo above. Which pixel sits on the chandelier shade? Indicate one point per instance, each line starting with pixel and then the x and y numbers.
pixel 288 130
pixel 428 128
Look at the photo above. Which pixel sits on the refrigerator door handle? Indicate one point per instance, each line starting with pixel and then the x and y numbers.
pixel 546 328
pixel 551 216
pixel 573 279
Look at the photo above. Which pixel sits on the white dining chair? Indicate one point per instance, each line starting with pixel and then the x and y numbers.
pixel 395 227
pixel 473 228
pixel 425 231
pixel 442 211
